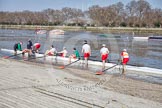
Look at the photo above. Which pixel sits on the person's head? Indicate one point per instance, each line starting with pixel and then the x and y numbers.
pixel 103 45
pixel 21 43
pixel 74 49
pixel 124 50
pixel 64 48
pixel 29 39
pixel 85 41
pixel 52 46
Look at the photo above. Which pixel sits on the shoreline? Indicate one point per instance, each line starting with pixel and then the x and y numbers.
pixel 118 30
pixel 75 83
pixel 147 74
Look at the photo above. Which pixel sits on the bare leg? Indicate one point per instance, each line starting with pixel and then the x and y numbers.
pixel 29 52
pixel 124 69
pixel 46 52
pixel 86 62
pixel 70 59
pixel 103 64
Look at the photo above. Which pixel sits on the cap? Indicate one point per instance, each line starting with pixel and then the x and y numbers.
pixel 64 47
pixel 124 50
pixel 103 45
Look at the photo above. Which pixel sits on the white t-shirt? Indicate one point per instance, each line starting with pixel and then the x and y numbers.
pixel 104 50
pixel 53 50
pixel 64 52
pixel 86 48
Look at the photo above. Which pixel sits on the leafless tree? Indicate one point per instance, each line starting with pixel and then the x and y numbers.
pixel 137 13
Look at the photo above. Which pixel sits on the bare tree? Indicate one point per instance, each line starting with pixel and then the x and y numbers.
pixel 142 8
pixel 131 9
pixel 136 13
pixel 72 14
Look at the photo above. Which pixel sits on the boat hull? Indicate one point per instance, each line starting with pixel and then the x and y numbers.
pixel 57 32
pixel 155 37
pixel 94 64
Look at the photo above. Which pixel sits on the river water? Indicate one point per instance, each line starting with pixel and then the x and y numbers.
pixel 146 53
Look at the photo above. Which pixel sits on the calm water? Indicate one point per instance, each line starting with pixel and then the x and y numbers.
pixel 142 53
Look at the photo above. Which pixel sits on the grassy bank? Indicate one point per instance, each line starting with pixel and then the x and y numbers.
pixel 92 29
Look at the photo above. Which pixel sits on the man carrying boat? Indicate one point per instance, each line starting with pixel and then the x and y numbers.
pixel 75 55
pixel 104 55
pixel 86 50
pixel 17 46
pixel 51 52
pixel 124 60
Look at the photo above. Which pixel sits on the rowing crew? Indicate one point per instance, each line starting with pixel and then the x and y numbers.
pixel 86 50
pixel 30 48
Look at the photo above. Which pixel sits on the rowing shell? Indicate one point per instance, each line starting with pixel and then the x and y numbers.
pixel 90 63
pixel 59 59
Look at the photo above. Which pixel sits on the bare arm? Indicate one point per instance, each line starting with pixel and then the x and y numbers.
pixel 82 50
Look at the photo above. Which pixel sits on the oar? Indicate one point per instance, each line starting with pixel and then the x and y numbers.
pixel 11 55
pixel 101 72
pixel 127 64
pixel 62 67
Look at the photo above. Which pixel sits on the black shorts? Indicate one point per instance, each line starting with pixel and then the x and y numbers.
pixel 15 47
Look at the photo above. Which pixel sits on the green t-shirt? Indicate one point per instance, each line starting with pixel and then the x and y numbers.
pixel 19 47
pixel 76 52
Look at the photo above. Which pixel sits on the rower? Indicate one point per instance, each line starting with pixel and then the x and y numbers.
pixel 104 55
pixel 86 50
pixel 36 47
pixel 17 46
pixel 74 55
pixel 63 52
pixel 28 49
pixel 124 59
pixel 51 52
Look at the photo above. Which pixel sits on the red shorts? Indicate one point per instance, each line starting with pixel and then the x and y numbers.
pixel 37 45
pixel 50 54
pixel 62 54
pixel 26 50
pixel 104 57
pixel 73 56
pixel 86 55
pixel 125 60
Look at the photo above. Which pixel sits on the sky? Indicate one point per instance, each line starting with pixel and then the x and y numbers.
pixel 39 5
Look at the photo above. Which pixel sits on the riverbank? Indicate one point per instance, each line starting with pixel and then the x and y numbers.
pixel 28 84
pixel 153 31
